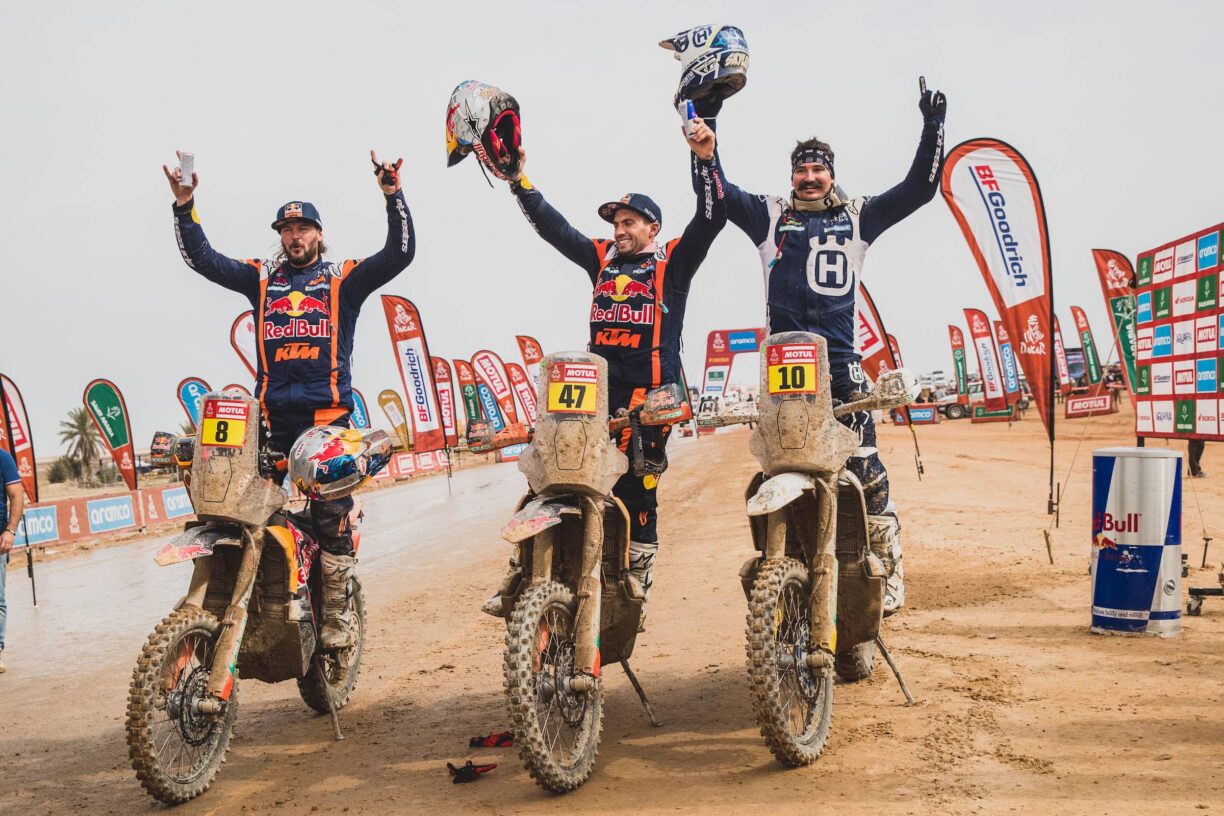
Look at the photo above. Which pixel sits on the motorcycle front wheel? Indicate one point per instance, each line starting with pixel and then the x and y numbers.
pixel 556 729
pixel 793 704
pixel 340 667
pixel 175 749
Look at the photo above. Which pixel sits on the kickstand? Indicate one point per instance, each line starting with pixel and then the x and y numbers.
pixel 641 694
pixel 327 692
pixel 909 698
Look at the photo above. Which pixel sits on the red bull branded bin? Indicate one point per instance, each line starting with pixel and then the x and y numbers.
pixel 1136 541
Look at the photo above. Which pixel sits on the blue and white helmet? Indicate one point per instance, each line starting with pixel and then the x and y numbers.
pixel 715 64
pixel 328 462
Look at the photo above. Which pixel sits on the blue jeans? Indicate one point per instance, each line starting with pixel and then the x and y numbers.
pixel 3 606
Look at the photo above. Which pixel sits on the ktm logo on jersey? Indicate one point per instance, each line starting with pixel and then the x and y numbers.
pixel 297 351
pixel 618 337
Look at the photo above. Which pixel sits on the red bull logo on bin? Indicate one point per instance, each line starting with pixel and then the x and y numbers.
pixel 1108 523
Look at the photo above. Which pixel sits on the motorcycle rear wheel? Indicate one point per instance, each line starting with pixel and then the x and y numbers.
pixel 556 730
pixel 175 750
pixel 340 668
pixel 793 704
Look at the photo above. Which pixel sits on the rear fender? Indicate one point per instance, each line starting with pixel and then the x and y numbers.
pixel 197 542
pixel 778 491
pixel 538 515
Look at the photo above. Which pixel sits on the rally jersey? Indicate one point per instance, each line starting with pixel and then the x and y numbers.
pixel 638 302
pixel 304 318
pixel 813 260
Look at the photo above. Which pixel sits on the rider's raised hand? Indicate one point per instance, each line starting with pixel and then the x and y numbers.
pixel 517 177
pixel 933 104
pixel 182 192
pixel 702 140
pixel 387 174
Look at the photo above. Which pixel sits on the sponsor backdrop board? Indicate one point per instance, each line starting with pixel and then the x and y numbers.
pixel 1177 339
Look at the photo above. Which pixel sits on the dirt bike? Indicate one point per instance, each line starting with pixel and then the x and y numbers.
pixel 253 607
pixel 816 590
pixel 572 606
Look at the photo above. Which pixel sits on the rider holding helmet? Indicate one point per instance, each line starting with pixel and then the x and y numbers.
pixel 641 285
pixel 306 312
pixel 812 243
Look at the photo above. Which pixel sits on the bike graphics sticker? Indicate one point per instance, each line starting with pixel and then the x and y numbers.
pixel 792 369
pixel 571 388
pixel 225 423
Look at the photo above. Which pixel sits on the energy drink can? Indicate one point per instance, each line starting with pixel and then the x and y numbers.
pixel 187 167
pixel 687 115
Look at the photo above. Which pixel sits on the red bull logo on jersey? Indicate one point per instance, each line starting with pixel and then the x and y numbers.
pixel 296 304
pixel 623 287
pixel 623 313
pixel 297 327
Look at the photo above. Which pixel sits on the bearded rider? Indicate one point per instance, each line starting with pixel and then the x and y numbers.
pixel 306 312
pixel 812 244
pixel 641 286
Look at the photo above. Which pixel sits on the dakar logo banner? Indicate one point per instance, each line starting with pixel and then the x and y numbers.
pixel 416 372
pixel 16 437
pixel 988 360
pixel 957 338
pixel 895 348
pixel 1117 276
pixel 721 348
pixel 491 371
pixel 466 376
pixel 523 390
pixel 994 196
pixel 109 412
pixel 1092 364
pixel 191 393
pixel 446 400
pixel 242 338
pixel 393 407
pixel 532 353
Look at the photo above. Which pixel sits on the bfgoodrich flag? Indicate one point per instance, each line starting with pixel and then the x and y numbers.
pixel 994 196
pixel 109 413
pixel 988 360
pixel 416 371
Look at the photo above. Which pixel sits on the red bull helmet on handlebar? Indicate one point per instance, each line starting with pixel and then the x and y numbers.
pixel 484 120
pixel 715 65
pixel 329 462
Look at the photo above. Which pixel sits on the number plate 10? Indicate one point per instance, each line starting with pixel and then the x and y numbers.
pixel 224 424
pixel 572 387
pixel 792 369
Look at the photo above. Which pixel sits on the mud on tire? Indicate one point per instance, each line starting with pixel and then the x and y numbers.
pixel 793 705
pixel 313 687
pixel 556 732
pixel 176 754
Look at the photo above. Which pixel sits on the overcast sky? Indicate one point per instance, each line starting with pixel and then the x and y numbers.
pixel 1116 106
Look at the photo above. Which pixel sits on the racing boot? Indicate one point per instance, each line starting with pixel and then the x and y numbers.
pixel 883 537
pixel 338 617
pixel 641 565
pixel 494 605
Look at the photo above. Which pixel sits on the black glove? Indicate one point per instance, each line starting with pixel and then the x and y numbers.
pixel 933 104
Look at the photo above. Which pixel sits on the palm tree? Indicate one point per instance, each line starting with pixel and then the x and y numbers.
pixel 81 437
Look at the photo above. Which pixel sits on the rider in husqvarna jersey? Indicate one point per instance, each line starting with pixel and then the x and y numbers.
pixel 641 286
pixel 305 315
pixel 812 244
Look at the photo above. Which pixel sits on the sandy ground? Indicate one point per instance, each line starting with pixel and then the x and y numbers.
pixel 1020 709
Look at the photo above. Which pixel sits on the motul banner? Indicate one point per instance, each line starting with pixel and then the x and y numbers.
pixel 524 389
pixel 446 400
pixel 1116 275
pixel 1007 359
pixel 1060 359
pixel 959 364
pixel 110 414
pixel 361 415
pixel 1092 364
pixel 533 354
pixel 895 349
pixel 16 437
pixel 191 393
pixel 491 371
pixel 416 372
pixel 242 338
pixel 994 196
pixel 872 340
pixel 393 407
pixel 466 377
pixel 988 360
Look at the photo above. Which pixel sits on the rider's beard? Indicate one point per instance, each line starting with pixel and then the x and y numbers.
pixel 299 253
pixel 811 191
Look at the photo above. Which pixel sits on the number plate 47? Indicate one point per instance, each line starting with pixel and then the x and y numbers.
pixel 792 369
pixel 572 388
pixel 224 424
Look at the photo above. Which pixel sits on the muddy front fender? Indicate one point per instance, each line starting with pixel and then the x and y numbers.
pixel 778 491
pixel 197 542
pixel 538 515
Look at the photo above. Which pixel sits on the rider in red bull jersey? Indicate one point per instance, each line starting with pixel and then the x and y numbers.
pixel 641 286
pixel 305 315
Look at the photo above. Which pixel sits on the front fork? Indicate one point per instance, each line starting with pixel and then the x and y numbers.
pixel 821 562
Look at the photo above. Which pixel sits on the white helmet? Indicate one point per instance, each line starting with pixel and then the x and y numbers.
pixel 329 462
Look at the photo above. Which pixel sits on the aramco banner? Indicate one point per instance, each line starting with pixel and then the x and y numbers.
pixel 393 407
pixel 721 347
pixel 960 365
pixel 446 400
pixel 1117 277
pixel 361 414
pixel 191 391
pixel 16 436
pixel 416 372
pixel 988 360
pixel 994 196
pixel 242 338
pixel 1007 358
pixel 1092 363
pixel 109 412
